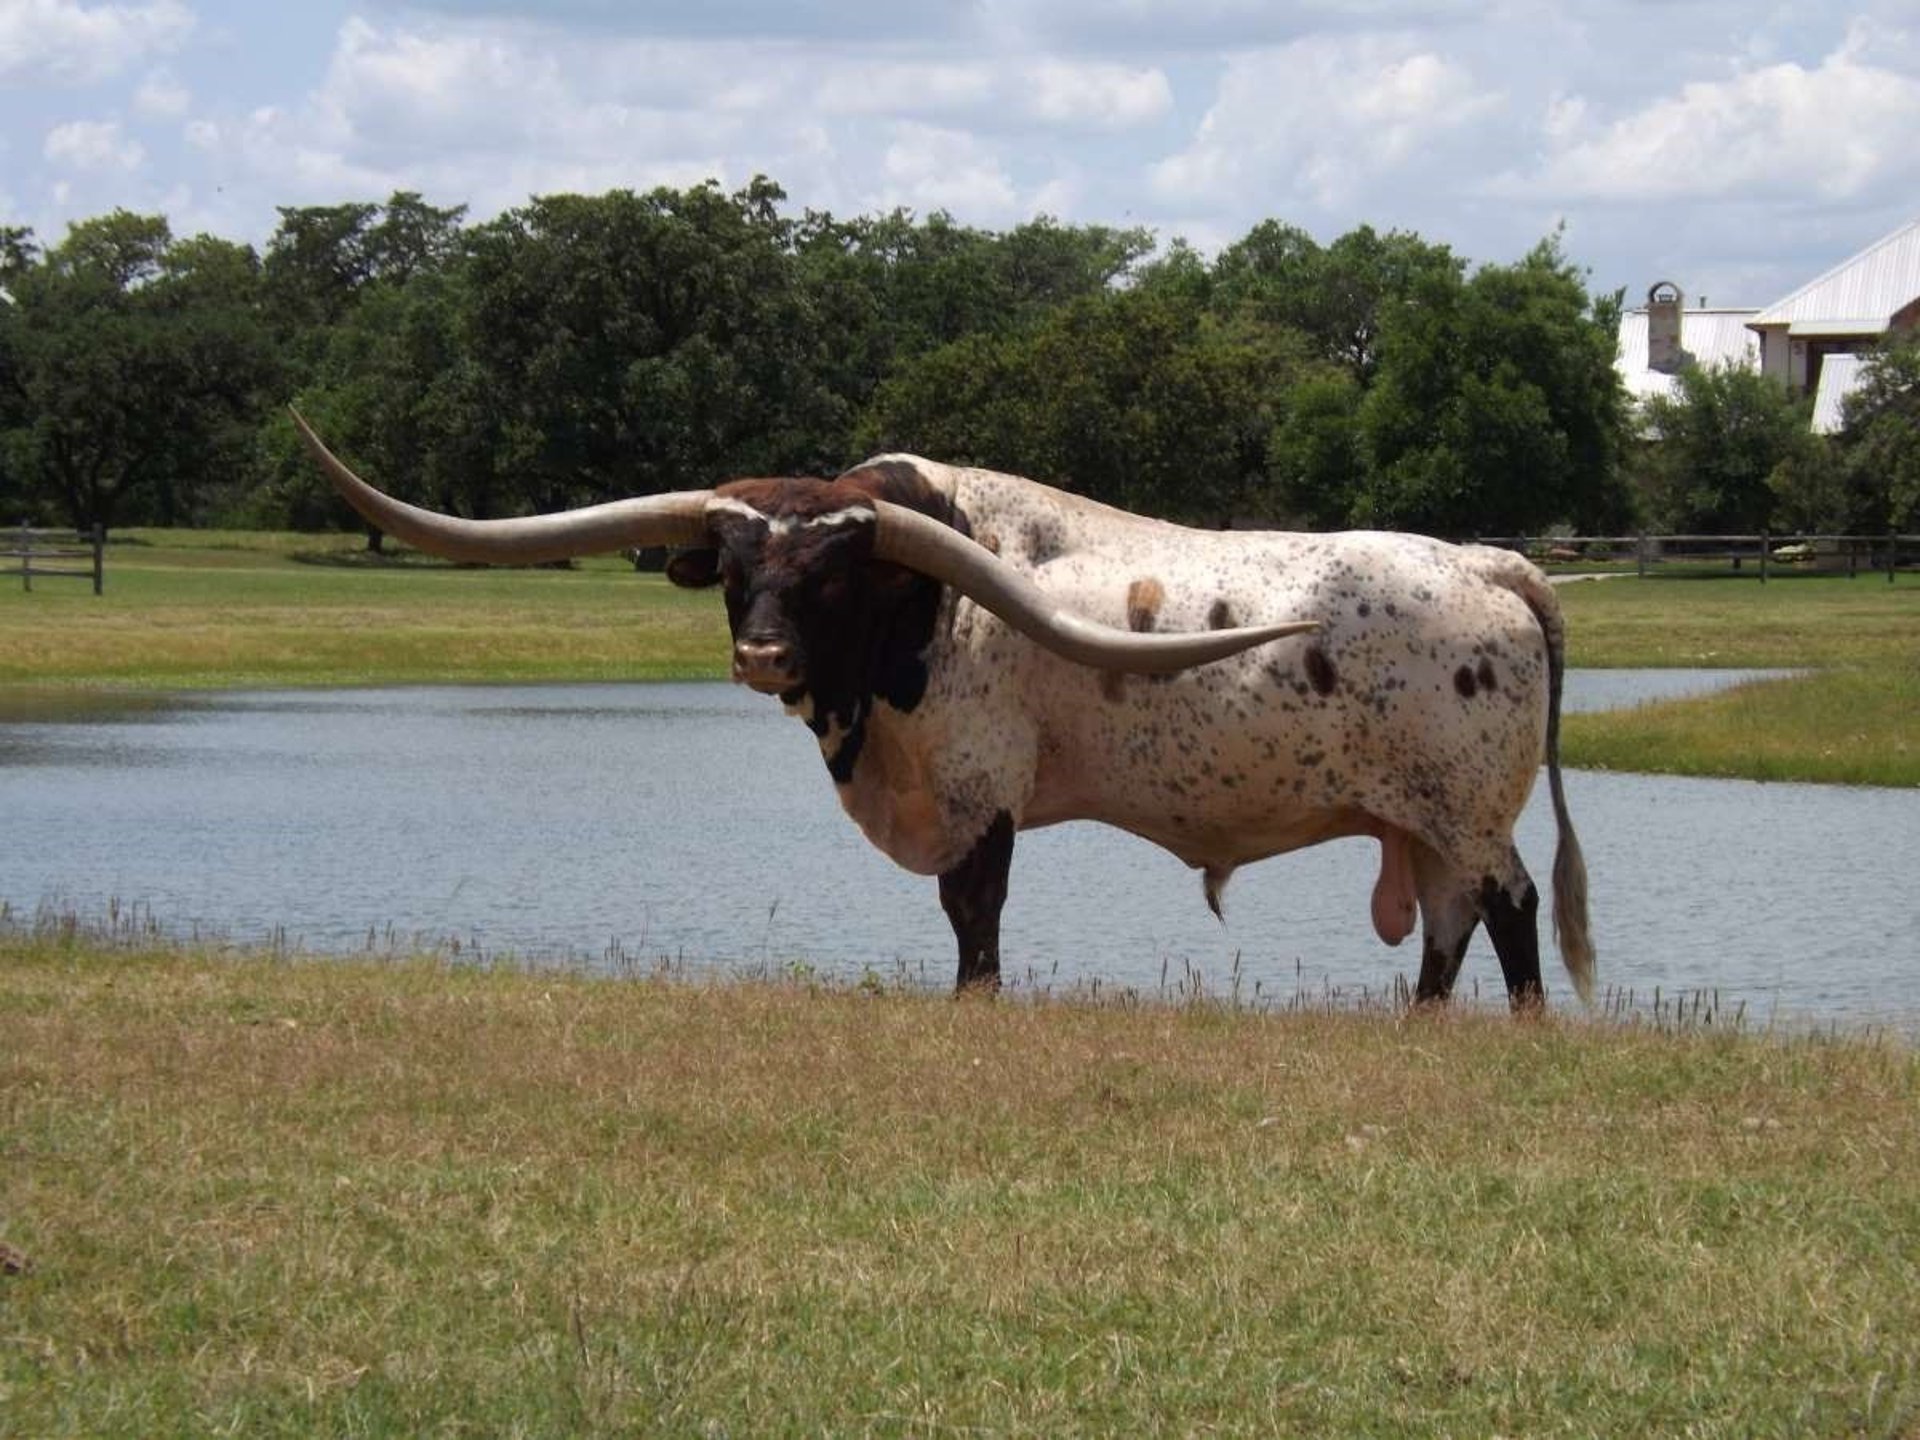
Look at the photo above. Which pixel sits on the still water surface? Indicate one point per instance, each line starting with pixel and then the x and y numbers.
pixel 695 822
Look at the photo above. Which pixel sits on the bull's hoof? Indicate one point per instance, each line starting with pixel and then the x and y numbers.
pixel 1528 1003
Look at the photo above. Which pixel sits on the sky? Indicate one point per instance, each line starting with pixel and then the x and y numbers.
pixel 1736 147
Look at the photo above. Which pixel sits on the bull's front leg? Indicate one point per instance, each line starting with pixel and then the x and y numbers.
pixel 972 894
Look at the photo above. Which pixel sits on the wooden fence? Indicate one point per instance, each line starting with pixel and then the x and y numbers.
pixel 1762 554
pixel 33 548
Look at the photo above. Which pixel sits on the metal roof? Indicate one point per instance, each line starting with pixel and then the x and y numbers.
pixel 1840 376
pixel 1844 327
pixel 1712 337
pixel 1871 287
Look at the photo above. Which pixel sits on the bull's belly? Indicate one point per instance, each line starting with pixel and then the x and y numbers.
pixel 1222 836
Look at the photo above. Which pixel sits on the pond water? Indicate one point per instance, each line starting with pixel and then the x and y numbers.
pixel 623 824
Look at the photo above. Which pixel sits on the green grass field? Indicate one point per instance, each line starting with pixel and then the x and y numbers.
pixel 200 610
pixel 266 1198
pixel 208 609
pixel 1855 720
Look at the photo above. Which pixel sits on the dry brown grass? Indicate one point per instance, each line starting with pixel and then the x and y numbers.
pixel 288 1198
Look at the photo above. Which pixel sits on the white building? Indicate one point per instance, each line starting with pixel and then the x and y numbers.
pixel 1844 312
pixel 1809 342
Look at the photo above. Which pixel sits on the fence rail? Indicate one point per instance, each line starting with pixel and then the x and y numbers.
pixel 32 548
pixel 1766 553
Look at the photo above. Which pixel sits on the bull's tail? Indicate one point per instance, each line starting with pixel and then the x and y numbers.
pixel 1570 929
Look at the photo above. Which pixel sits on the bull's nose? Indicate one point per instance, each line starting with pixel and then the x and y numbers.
pixel 763 664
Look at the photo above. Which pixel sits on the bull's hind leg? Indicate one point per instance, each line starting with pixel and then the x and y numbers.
pixel 1452 903
pixel 1449 912
pixel 972 894
pixel 1510 905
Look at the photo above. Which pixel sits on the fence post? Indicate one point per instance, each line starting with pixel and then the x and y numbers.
pixel 26 557
pixel 99 555
pixel 1893 550
pixel 1640 552
pixel 1766 548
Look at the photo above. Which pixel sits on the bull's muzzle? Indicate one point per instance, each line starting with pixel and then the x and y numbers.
pixel 764 665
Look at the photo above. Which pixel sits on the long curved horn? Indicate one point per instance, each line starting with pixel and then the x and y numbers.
pixel 922 543
pixel 674 519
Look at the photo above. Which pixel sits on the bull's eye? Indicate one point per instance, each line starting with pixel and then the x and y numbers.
pixel 833 590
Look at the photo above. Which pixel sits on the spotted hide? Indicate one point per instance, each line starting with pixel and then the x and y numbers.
pixel 1418 713
pixel 1228 696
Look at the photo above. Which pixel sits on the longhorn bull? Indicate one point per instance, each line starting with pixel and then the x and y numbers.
pixel 978 654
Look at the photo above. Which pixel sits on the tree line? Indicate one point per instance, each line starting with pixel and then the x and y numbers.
pixel 580 348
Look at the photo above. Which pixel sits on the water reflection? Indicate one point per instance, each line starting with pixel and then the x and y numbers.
pixel 696 822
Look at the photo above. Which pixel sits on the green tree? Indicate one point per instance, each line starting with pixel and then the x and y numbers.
pixel 882 292
pixel 1713 449
pixel 636 343
pixel 1316 462
pixel 1880 436
pixel 322 258
pixel 136 366
pixel 19 256
pixel 1338 296
pixel 399 391
pixel 1495 406
pixel 1138 397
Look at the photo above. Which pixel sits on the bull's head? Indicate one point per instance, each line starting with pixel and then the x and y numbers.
pixel 801 561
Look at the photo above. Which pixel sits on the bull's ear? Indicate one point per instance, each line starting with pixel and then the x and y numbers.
pixel 694 569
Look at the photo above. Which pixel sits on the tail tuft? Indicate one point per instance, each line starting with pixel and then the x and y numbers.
pixel 1570 926
pixel 1570 930
pixel 1215 885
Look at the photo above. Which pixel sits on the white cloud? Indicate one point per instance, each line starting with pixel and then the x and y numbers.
pixel 1835 131
pixel 1321 120
pixel 1108 97
pixel 161 96
pixel 927 168
pixel 1167 27
pixel 897 87
pixel 1566 114
pixel 421 105
pixel 92 145
pixel 1715 140
pixel 72 43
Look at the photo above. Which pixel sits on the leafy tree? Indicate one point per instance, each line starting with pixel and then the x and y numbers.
pixel 135 366
pixel 882 292
pixel 1338 296
pixel 1814 490
pixel 412 238
pixel 635 343
pixel 316 261
pixel 321 258
pixel 1881 436
pixel 1495 406
pixel 1317 464
pixel 17 252
pixel 19 255
pixel 1137 397
pixel 1713 449
pixel 398 390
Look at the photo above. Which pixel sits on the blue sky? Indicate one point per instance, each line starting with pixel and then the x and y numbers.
pixel 1738 147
